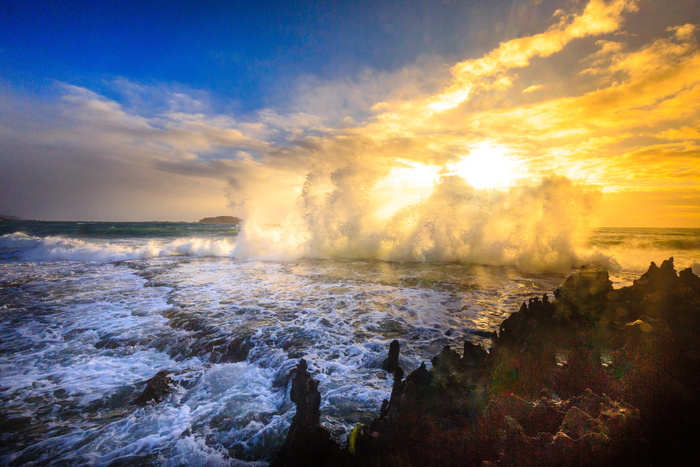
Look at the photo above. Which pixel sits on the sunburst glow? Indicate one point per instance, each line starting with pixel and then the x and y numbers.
pixel 405 185
pixel 486 166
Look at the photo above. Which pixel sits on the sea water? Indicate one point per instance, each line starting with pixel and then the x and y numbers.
pixel 90 311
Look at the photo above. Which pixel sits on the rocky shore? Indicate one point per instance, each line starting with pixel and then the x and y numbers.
pixel 593 376
pixel 220 220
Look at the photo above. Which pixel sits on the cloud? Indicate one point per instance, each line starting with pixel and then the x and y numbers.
pixel 597 18
pixel 533 88
pixel 685 32
pixel 655 91
pixel 83 156
pixel 582 98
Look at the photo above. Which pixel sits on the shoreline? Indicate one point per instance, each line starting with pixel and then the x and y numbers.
pixel 596 376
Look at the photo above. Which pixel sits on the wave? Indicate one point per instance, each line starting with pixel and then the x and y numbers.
pixel 655 240
pixel 54 248
pixel 342 214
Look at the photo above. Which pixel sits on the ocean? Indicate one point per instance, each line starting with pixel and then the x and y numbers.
pixel 91 310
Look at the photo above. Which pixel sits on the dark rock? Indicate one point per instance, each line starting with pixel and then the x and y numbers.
pixel 597 376
pixel 308 443
pixel 447 360
pixel 578 423
pixel 690 280
pixel 588 430
pixel 391 363
pixel 14 422
pixel 306 396
pixel 221 220
pixel 583 295
pixel 536 417
pixel 474 356
pixel 657 278
pixel 157 389
pixel 534 318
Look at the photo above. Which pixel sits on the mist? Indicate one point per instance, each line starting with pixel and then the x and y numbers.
pixel 368 207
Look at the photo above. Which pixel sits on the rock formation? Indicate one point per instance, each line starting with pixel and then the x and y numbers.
pixel 221 220
pixel 597 376
pixel 157 389
pixel 307 443
pixel 391 363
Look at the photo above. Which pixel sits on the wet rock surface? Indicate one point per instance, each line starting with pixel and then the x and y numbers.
pixel 595 376
pixel 308 443
pixel 157 389
pixel 391 363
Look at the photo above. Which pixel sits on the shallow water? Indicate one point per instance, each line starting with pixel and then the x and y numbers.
pixel 86 320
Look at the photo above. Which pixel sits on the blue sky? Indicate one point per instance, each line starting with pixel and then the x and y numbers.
pixel 178 110
pixel 247 52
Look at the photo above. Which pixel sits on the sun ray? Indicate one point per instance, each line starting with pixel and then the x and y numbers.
pixel 486 166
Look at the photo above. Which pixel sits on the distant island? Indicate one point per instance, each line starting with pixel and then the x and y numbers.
pixel 4 217
pixel 221 220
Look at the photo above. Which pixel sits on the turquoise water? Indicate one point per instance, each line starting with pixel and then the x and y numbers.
pixel 118 229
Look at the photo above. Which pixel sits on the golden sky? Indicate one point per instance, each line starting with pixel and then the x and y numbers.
pixel 628 122
pixel 594 94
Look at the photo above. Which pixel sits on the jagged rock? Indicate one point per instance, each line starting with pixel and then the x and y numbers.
pixel 577 423
pixel 583 295
pixel 306 396
pixel 657 278
pixel 391 363
pixel 535 316
pixel 591 430
pixel 308 443
pixel 690 280
pixel 157 389
pixel 536 417
pixel 595 377
pixel 447 360
pixel 474 356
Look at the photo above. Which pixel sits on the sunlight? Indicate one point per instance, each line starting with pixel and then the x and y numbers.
pixel 405 186
pixel 450 100
pixel 486 166
pixel 413 174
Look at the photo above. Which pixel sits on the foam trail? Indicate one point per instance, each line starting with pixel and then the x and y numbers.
pixel 53 248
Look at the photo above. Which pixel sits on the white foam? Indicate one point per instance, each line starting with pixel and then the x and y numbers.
pixel 340 315
pixel 237 395
pixel 634 261
pixel 537 228
pixel 52 248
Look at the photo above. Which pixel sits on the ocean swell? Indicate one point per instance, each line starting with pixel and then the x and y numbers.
pixel 54 248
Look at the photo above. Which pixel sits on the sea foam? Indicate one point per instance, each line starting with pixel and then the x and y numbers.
pixel 343 214
pixel 55 248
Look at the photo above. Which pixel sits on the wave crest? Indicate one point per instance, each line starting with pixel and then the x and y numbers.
pixel 536 228
pixel 54 248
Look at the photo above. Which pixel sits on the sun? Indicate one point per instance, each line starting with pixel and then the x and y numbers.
pixel 486 166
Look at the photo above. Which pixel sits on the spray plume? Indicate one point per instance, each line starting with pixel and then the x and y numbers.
pixel 396 210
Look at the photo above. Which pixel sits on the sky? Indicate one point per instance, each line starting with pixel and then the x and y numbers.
pixel 174 111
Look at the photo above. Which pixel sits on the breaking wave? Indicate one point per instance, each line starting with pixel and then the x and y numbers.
pixel 344 214
pixel 54 248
